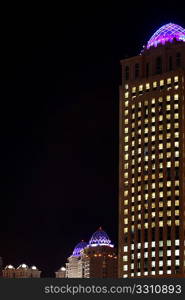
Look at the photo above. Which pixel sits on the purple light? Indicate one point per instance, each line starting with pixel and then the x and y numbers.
pixel 167 33
pixel 79 247
pixel 100 238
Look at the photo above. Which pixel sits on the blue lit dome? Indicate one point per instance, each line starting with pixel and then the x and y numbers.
pixel 167 33
pixel 80 246
pixel 100 238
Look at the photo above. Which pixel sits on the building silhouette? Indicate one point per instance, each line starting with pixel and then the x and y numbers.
pixel 152 158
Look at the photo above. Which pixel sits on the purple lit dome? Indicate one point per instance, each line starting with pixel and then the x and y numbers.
pixel 100 238
pixel 167 33
pixel 80 246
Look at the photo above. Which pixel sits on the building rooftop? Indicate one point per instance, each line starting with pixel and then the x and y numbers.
pixel 100 238
pixel 80 246
pixel 166 33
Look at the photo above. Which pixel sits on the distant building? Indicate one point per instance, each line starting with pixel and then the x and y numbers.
pixel 23 271
pixel 74 266
pixel 99 258
pixel 61 273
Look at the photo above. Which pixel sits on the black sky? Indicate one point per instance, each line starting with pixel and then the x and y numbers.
pixel 60 75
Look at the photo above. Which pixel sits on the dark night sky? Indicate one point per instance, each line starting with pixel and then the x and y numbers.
pixel 59 79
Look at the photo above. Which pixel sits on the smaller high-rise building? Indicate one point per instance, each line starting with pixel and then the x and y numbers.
pixel 96 259
pixel 74 266
pixel 99 257
pixel 61 273
pixel 23 271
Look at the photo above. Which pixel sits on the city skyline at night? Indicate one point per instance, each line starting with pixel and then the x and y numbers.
pixel 59 87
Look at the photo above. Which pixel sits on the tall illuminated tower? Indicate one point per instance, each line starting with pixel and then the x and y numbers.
pixel 152 158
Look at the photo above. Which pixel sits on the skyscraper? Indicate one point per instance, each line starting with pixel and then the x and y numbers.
pixel 152 158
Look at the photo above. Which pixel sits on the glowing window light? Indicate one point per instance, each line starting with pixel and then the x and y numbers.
pixel 167 33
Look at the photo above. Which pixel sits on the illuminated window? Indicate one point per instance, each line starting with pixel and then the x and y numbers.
pixel 140 87
pixel 153 101
pixel 177 213
pixel 169 203
pixel 126 86
pixel 160 127
pixel 160 137
pixel 153 110
pixel 168 107
pixel 176 163
pixel 154 84
pixel 126 94
pixel 126 130
pixel 168 116
pixel 134 89
pixel 177 193
pixel 161 82
pixel 160 146
pixel 176 153
pixel 125 230
pixel 161 194
pixel 176 116
pixel 160 118
pixel 125 258
pixel 168 136
pixel 168 98
pixel 153 128
pixel 126 139
pixel 176 79
pixel 125 202
pixel 160 155
pixel 125 193
pixel 176 97
pixel 177 183
pixel 168 155
pixel 126 121
pixel 168 164
pixel 126 103
pixel 169 193
pixel 160 204
pixel 126 221
pixel 169 183
pixel 176 106
pixel 176 134
pixel 125 211
pixel 126 156
pixel 147 86
pixel 168 125
pixel 168 145
pixel 153 138
pixel 176 144
pixel 169 213
pixel 169 80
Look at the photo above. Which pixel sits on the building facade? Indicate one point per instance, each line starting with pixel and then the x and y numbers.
pixel 23 271
pixel 152 158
